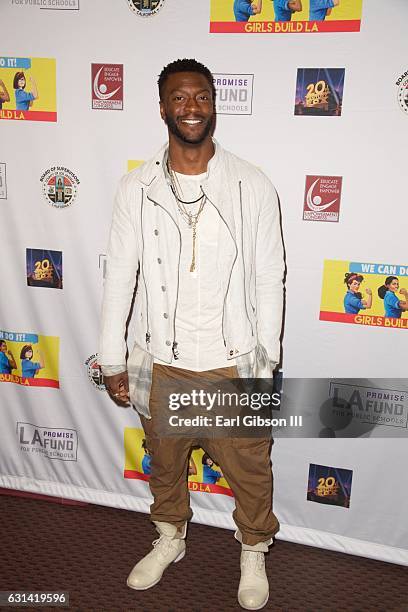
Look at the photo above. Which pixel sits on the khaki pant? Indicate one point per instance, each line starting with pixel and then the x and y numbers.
pixel 245 463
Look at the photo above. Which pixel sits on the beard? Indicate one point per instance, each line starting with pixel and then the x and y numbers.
pixel 174 129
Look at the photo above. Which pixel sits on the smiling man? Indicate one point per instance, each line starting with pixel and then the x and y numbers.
pixel 199 230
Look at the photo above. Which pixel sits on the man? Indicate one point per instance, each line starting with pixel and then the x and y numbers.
pixel 284 9
pixel 201 227
pixel 320 9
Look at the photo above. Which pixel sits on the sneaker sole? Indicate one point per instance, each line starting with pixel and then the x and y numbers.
pixel 136 588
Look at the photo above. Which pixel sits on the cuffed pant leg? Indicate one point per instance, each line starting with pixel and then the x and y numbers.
pixel 245 463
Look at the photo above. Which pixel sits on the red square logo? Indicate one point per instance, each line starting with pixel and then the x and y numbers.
pixel 107 86
pixel 322 198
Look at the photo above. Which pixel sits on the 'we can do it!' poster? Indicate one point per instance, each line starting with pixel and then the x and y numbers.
pixel 285 16
pixel 28 89
pixel 365 293
pixel 29 359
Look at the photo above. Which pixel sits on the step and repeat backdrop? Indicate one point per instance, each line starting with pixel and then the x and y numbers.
pixel 315 92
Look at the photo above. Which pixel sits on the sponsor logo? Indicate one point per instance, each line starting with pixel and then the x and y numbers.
pixel 322 198
pixel 44 268
pixel 3 182
pixel 59 186
pixel 329 485
pixel 50 442
pixel 234 93
pixel 94 372
pixel 402 85
pixel 319 91
pixel 107 86
pixel 370 404
pixel 50 5
pixel 145 8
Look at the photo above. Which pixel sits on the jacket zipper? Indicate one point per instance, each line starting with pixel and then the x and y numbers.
pixel 148 334
pixel 175 344
pixel 233 263
pixel 243 261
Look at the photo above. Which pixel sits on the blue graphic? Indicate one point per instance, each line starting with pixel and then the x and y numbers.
pixel 19 337
pixel 15 62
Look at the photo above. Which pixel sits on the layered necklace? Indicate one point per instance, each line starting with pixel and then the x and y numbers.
pixel 189 218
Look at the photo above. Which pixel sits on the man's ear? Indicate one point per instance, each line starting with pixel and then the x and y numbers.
pixel 162 111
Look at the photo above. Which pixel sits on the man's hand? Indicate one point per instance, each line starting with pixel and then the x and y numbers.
pixel 118 388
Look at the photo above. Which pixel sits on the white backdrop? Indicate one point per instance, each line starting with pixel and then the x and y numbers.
pixel 366 146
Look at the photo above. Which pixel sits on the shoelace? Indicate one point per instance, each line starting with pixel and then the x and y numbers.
pixel 253 560
pixel 162 545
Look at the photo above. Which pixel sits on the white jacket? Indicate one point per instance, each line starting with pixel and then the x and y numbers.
pixel 144 249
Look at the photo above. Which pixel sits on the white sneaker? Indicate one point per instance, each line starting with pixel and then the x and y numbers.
pixel 253 590
pixel 168 548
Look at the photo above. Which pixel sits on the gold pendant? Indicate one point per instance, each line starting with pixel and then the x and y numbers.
pixel 192 267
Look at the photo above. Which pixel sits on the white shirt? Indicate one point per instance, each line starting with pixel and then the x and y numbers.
pixel 199 311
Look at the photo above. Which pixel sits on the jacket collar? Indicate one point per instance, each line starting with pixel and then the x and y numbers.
pixel 158 189
pixel 215 186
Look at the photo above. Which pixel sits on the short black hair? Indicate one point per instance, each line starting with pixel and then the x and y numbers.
pixel 185 65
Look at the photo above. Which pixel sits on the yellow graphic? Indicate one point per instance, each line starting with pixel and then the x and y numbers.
pixel 365 293
pixel 203 474
pixel 29 359
pixel 134 451
pixel 222 10
pixel 28 88
pixel 134 163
